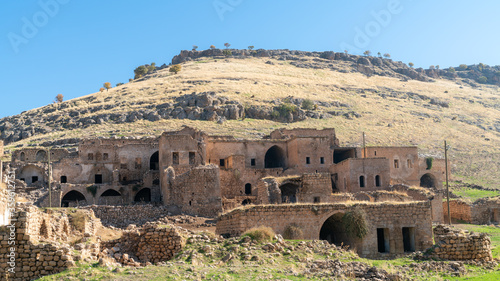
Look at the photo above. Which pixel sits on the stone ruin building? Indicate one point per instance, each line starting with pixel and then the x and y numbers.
pixel 298 176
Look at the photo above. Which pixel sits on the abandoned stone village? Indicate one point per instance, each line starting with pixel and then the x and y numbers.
pixel 299 178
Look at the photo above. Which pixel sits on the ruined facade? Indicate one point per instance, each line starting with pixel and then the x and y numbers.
pixel 202 174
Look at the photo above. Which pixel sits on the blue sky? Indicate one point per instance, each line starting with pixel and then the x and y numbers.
pixel 71 47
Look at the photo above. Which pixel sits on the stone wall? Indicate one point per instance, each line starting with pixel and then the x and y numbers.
pixel 151 243
pixel 392 217
pixel 122 216
pixel 482 211
pixel 459 210
pixel 452 244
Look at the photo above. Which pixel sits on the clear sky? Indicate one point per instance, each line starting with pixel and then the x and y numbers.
pixel 72 47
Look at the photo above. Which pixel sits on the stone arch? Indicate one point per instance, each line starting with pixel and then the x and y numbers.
pixel 110 192
pixel 73 198
pixel 144 195
pixel 333 231
pixel 246 202
pixel 248 189
pixel 289 192
pixel 154 161
pixel 275 158
pixel 110 197
pixel 428 180
pixel 22 156
pixel 41 156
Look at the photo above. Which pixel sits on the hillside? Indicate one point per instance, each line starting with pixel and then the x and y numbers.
pixel 251 95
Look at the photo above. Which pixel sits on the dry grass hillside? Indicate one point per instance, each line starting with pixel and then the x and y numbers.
pixel 390 110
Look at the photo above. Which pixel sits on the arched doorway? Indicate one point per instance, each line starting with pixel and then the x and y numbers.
pixel 110 192
pixel 73 198
pixel 275 158
pixel 334 232
pixel 154 161
pixel 289 193
pixel 110 197
pixel 144 195
pixel 428 180
pixel 248 189
pixel 41 156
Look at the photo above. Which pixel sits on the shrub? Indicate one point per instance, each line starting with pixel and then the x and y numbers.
pixel 411 64
pixel 482 79
pixel 463 67
pixel 59 98
pixel 140 71
pixel 307 104
pixel 428 162
pixel 212 47
pixel 101 89
pixel 451 69
pixel 107 85
pixel 227 53
pixel 92 189
pixel 293 232
pixel 151 67
pixel 387 56
pixel 355 222
pixel 176 68
pixel 195 47
pixel 260 234
pixel 78 220
pixel 285 109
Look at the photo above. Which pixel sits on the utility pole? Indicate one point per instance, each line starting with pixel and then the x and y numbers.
pixel 447 186
pixel 364 146
pixel 50 176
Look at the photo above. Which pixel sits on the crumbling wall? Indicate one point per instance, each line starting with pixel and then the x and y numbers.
pixel 486 211
pixel 453 244
pixel 459 210
pixel 122 216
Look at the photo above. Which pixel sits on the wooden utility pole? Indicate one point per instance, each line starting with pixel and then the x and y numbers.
pixel 50 176
pixel 447 186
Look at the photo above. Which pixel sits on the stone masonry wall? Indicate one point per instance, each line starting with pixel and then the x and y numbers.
pixel 459 210
pixel 122 216
pixel 454 244
pixel 311 217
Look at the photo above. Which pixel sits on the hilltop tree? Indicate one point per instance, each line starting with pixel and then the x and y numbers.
pixel 195 47
pixel 251 47
pixel 140 71
pixel 379 54
pixel 367 53
pixel 227 45
pixel 346 52
pixel 463 67
pixel 175 68
pixel 101 89
pixel 212 47
pixel 451 69
pixel 387 56
pixel 151 67
pixel 437 67
pixel 107 85
pixel 431 67
pixel 59 98
pixel 411 64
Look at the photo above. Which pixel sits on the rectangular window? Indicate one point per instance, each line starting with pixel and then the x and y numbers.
pixel 90 156
pixel 308 160
pixel 322 160
pixel 377 180
pixel 64 179
pixel 222 163
pixel 409 239
pixel 252 162
pixel 98 179
pixel 192 158
pixel 123 166
pixel 317 199
pixel 375 152
pixel 396 163
pixel 175 158
pixel 34 179
pixel 409 163
pixel 105 156
pixel 362 181
pixel 383 240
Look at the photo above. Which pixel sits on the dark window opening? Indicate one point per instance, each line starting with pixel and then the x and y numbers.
pixel 22 157
pixel 317 199
pixel 105 156
pixel 308 160
pixel 383 240
pixel 275 158
pixel 192 158
pixel 335 179
pixel 409 239
pixel 396 163
pixel 342 154
pixel 375 152
pixel 98 179
pixel 252 162
pixel 322 160
pixel 189 203
pixel 154 161
pixel 248 189
pixel 90 156
pixel 362 181
pixel 377 180
pixel 222 162
pixel 34 179
pixel 246 202
pixel 175 158
pixel 64 179
pixel 289 193
pixel 156 182
pixel 22 179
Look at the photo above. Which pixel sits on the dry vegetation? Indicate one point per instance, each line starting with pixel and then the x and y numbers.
pixel 386 120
